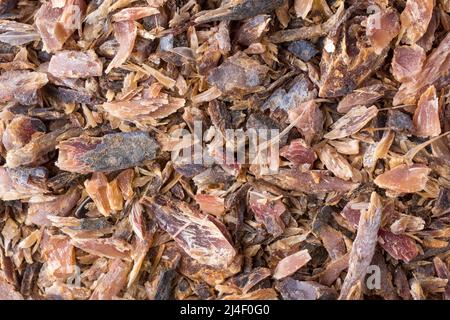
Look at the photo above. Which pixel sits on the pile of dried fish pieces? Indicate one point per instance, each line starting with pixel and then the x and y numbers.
pixel 96 202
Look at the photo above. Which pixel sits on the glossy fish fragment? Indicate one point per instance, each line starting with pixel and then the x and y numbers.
pixel 201 236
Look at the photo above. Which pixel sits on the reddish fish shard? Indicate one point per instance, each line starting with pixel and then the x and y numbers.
pixel 201 236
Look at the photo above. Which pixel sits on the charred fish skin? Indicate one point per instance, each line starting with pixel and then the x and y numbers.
pixel 111 152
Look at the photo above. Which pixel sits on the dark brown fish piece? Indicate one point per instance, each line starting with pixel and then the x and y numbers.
pixel 236 203
pixel 314 31
pixel 156 20
pixel 399 122
pixel 29 278
pixel 386 289
pixel 442 272
pixel 209 60
pixel 401 283
pixel 62 180
pixel 20 61
pixel 201 236
pixel 303 49
pixel 346 62
pixel 442 205
pixel 249 280
pixel 252 30
pixel 265 127
pixel 69 95
pixel 163 282
pixel 220 116
pixel 238 10
pixel 111 152
pixel 178 56
pixel 260 121
pixel 238 74
pixel 161 285
pixel 7 5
